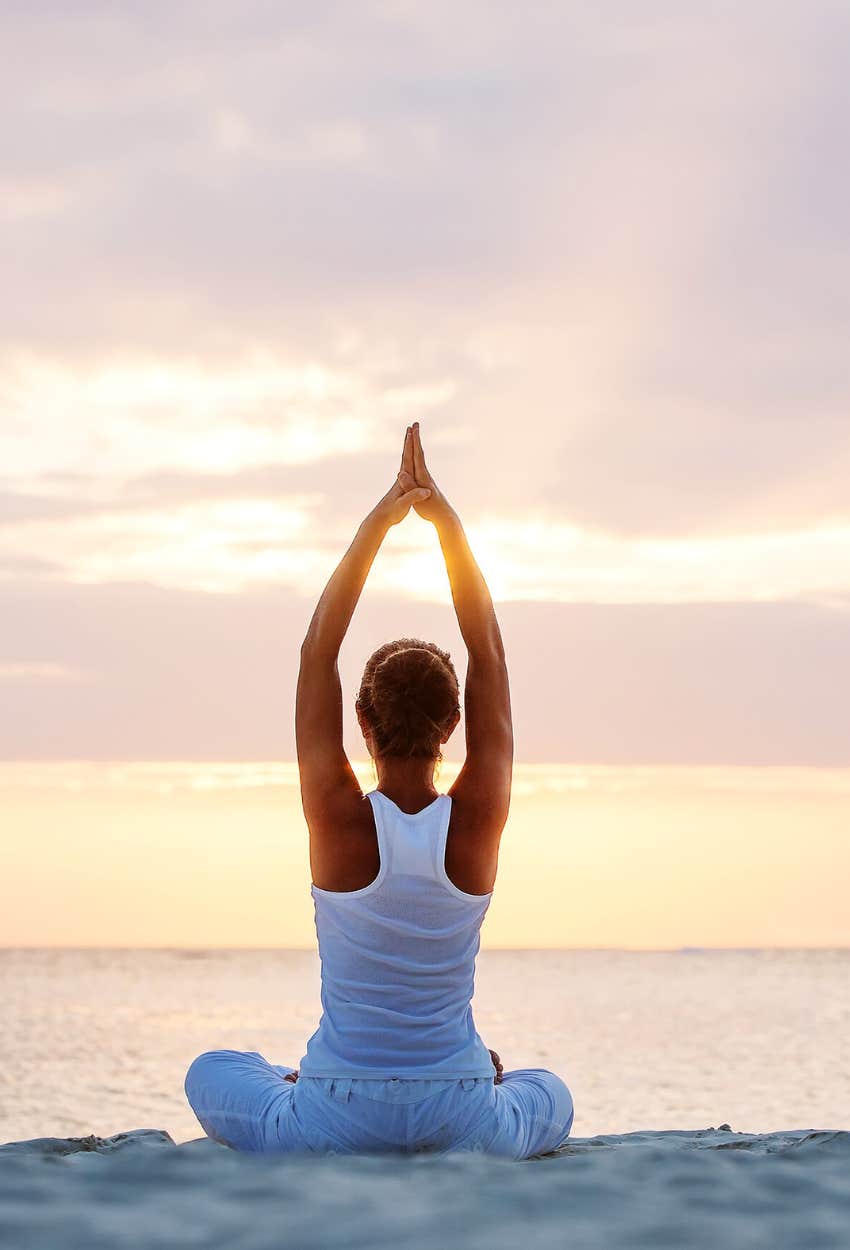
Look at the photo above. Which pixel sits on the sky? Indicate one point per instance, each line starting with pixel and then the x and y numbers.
pixel 174 854
pixel 600 251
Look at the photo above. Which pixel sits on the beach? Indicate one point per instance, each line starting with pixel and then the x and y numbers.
pixel 695 1190
pixel 423 401
pixel 712 1104
pixel 98 1041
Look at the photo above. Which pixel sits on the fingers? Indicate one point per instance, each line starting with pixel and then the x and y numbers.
pixel 419 467
pixel 407 453
pixel 415 496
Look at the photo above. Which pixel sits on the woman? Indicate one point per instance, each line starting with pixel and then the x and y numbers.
pixel 402 879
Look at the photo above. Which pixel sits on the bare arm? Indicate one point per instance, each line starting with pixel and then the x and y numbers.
pixel 473 605
pixel 485 779
pixel 329 788
pixel 332 616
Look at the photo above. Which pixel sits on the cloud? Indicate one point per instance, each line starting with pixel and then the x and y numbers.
pixel 615 238
pixel 288 523
pixel 233 531
pixel 40 671
pixel 16 565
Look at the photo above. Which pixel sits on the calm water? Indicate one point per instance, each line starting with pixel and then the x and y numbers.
pixel 99 1040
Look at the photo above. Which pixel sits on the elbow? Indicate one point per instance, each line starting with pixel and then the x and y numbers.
pixel 312 638
pixel 489 652
pixel 315 648
pixel 498 647
pixel 504 733
pixel 491 644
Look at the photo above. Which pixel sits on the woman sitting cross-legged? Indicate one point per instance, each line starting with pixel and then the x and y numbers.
pixel 402 879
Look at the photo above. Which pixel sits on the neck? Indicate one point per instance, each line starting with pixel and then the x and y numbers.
pixel 408 782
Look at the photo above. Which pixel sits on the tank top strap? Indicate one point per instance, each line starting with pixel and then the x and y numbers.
pixel 410 843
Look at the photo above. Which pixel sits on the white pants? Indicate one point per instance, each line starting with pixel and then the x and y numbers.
pixel 244 1102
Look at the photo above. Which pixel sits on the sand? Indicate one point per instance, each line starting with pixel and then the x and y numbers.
pixel 700 1189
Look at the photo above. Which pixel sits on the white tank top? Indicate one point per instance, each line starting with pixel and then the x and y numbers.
pixel 398 960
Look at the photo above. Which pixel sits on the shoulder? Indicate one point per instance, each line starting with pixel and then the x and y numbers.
pixel 339 812
pixel 343 845
pixel 481 796
pixel 471 857
pixel 476 822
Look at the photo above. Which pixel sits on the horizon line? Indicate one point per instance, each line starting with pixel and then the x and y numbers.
pixel 686 949
pixel 446 765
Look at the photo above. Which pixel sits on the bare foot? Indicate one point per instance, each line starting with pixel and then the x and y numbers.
pixel 497 1064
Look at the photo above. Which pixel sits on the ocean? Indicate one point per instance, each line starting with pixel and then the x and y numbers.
pixel 97 1041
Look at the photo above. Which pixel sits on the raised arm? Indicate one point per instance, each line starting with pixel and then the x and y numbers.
pixel 485 779
pixel 329 788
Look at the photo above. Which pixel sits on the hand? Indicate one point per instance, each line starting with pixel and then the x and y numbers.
pixel 497 1064
pixel 292 1076
pixel 434 507
pixel 405 491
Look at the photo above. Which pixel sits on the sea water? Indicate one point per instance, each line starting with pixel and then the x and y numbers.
pixel 99 1040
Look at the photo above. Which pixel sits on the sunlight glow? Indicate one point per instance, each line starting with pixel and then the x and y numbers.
pixel 140 415
pixel 215 854
pixel 228 545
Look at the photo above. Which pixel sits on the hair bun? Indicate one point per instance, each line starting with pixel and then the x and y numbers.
pixel 400 683
pixel 409 694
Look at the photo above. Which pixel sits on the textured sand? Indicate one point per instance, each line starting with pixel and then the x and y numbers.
pixel 700 1189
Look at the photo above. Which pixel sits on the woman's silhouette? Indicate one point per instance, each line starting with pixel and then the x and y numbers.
pixel 402 879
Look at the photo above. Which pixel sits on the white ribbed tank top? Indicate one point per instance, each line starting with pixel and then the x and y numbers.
pixel 398 960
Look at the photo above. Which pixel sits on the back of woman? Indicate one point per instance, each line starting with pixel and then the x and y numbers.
pixel 402 880
pixel 398 959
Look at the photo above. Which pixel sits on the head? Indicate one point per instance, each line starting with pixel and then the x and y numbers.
pixel 409 700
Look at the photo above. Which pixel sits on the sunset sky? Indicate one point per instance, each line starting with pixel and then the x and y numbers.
pixel 601 252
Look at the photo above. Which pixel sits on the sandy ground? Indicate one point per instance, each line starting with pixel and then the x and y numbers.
pixel 701 1189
